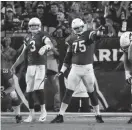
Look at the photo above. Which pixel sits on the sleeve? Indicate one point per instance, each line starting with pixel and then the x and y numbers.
pixel 92 35
pixel 47 41
pixel 68 57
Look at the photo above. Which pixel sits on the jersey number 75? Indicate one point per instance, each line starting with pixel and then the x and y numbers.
pixel 79 45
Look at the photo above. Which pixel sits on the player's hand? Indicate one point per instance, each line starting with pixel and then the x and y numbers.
pixel 129 80
pixel 58 75
pixel 13 70
pixel 42 50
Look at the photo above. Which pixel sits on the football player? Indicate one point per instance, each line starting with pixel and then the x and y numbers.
pixel 126 46
pixel 36 45
pixel 7 57
pixel 80 56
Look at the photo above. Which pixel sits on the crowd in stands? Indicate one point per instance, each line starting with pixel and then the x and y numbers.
pixel 112 17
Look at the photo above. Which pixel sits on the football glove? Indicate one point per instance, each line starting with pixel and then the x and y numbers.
pixel 42 50
pixel 58 74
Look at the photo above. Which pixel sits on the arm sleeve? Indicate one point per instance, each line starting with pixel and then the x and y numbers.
pixel 68 57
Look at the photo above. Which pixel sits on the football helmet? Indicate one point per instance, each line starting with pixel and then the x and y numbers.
pixel 34 25
pixel 125 40
pixel 77 26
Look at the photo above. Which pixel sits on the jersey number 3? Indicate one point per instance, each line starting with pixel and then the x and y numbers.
pixel 79 45
pixel 33 48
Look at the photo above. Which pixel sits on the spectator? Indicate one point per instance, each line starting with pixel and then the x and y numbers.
pixel 40 14
pixel 36 3
pixel 8 53
pixel 10 23
pixel 28 9
pixel 2 10
pixel 100 25
pixel 62 9
pixel 86 6
pixel 52 70
pixel 52 17
pixel 88 19
pixel 18 10
pixel 25 21
pixel 62 29
pixel 129 21
pixel 75 12
pixel 123 22
pixel 109 26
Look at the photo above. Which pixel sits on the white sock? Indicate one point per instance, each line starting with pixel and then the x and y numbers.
pixel 32 113
pixel 16 110
pixel 63 108
pixel 97 111
pixel 43 109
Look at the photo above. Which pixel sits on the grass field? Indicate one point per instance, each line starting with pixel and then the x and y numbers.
pixel 73 121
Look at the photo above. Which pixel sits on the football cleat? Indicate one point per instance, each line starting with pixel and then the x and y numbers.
pixel 58 119
pixel 130 121
pixel 30 118
pixel 42 117
pixel 99 119
pixel 18 119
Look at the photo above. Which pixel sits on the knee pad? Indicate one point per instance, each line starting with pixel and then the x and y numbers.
pixel 13 95
pixel 68 96
pixel 16 102
pixel 94 98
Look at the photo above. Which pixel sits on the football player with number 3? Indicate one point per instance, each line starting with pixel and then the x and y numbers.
pixel 80 56
pixel 36 45
pixel 126 46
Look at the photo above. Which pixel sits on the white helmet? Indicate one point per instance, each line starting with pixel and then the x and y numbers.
pixel 76 24
pixel 34 25
pixel 125 40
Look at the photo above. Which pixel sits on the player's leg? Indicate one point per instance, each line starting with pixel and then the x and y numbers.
pixel 55 83
pixel 15 100
pixel 16 106
pixel 73 81
pixel 39 90
pixel 30 77
pixel 100 95
pixel 89 80
pixel 130 121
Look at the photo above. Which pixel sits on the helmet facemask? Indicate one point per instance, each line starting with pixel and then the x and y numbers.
pixel 34 28
pixel 34 25
pixel 78 30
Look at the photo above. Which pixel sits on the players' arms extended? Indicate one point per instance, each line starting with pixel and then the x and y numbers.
pixel 48 45
pixel 19 60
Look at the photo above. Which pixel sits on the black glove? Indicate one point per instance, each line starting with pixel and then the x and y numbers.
pixel 58 74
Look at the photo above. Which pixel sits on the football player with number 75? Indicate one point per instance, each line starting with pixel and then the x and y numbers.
pixel 36 45
pixel 80 57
